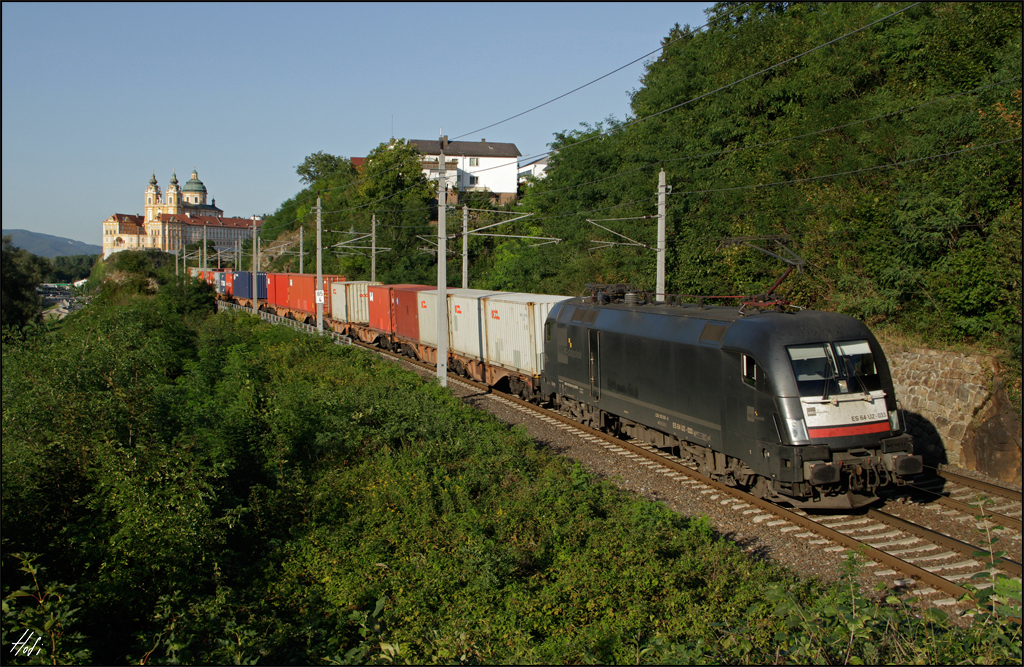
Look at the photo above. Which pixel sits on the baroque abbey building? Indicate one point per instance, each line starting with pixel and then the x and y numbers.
pixel 175 219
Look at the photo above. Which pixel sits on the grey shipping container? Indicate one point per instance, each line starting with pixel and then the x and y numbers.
pixel 465 321
pixel 514 330
pixel 350 301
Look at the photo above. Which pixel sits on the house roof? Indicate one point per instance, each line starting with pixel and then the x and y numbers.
pixel 208 220
pixel 126 218
pixel 466 148
pixel 538 160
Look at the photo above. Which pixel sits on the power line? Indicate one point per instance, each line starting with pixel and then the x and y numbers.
pixel 717 90
pixel 636 121
pixel 845 173
pixel 689 33
pixel 779 183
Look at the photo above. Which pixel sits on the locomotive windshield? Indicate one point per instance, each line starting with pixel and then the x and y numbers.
pixel 826 369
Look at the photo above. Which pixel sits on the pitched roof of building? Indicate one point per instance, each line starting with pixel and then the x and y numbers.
pixel 127 217
pixel 208 220
pixel 466 148
pixel 537 160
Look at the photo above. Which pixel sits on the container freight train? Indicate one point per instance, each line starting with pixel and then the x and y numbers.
pixel 797 406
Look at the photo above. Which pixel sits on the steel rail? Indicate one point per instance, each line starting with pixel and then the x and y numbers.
pixel 979 485
pixel 851 543
pixel 974 510
pixel 1010 566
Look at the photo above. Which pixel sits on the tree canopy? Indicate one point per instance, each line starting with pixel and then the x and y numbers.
pixel 22 271
pixel 320 166
pixel 889 159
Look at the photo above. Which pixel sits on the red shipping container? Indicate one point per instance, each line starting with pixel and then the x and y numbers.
pixel 229 281
pixel 380 308
pixel 300 292
pixel 277 289
pixel 405 309
pixel 382 314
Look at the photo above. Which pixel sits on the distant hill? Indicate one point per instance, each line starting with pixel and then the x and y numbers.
pixel 46 245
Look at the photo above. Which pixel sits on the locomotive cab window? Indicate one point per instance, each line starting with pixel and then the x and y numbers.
pixel 753 374
pixel 825 369
pixel 749 370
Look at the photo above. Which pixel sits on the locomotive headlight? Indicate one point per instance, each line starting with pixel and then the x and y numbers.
pixel 797 430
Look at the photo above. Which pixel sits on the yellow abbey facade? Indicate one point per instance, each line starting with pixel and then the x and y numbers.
pixel 174 219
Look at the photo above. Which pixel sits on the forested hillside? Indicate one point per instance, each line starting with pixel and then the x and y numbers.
pixel 889 159
pixel 881 141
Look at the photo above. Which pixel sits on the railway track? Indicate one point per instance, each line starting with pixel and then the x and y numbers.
pixel 912 558
pixel 931 566
pixel 997 504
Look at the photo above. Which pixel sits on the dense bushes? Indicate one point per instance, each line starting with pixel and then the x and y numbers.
pixel 210 489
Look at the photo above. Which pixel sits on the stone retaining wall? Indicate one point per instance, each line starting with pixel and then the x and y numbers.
pixel 957 412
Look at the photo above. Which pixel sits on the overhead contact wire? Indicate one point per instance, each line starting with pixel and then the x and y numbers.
pixel 689 33
pixel 717 90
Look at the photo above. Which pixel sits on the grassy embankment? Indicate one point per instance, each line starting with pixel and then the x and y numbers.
pixel 212 489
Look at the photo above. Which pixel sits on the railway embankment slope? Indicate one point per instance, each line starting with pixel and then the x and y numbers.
pixel 212 489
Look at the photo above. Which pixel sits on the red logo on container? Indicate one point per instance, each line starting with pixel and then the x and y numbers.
pixel 458 309
pixel 494 315
pixel 423 304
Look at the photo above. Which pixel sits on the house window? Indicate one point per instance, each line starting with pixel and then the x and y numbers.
pixel 473 180
pixel 474 162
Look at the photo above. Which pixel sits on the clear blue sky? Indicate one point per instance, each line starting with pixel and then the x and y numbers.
pixel 96 97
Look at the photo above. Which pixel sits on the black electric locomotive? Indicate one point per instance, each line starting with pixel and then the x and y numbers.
pixel 799 406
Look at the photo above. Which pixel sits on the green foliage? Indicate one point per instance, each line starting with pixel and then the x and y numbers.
pixel 320 166
pixel 21 272
pixel 247 493
pixel 142 263
pixel 931 247
pixel 71 268
pixel 38 620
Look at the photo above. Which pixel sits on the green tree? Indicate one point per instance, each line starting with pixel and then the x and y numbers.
pixel 69 268
pixel 22 271
pixel 807 150
pixel 393 171
pixel 319 166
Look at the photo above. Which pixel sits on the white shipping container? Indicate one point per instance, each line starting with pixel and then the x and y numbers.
pixel 427 316
pixel 465 332
pixel 466 326
pixel 514 333
pixel 338 309
pixel 350 301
